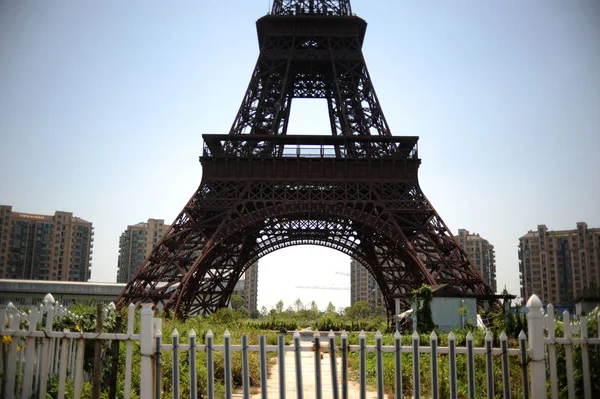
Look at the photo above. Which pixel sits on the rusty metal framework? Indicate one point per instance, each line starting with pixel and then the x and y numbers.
pixel 311 56
pixel 325 7
pixel 262 189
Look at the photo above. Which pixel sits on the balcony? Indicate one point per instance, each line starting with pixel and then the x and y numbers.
pixel 310 158
pixel 304 146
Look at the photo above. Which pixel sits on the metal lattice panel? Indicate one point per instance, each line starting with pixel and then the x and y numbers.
pixel 325 7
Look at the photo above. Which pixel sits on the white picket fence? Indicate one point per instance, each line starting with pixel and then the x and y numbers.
pixel 32 356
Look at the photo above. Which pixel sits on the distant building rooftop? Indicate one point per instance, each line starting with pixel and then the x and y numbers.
pixel 32 292
pixel 59 287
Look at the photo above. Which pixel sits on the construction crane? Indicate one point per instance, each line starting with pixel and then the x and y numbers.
pixel 343 274
pixel 319 287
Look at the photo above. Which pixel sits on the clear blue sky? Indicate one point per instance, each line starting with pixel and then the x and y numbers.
pixel 103 104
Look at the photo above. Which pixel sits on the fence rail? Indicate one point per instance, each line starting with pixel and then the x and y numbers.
pixel 34 354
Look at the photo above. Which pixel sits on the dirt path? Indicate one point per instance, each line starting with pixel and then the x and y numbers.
pixel 308 378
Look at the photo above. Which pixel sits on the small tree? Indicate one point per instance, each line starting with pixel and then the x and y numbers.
pixel 380 311
pixel 314 307
pixel 279 306
pixel 362 309
pixel 358 312
pixel 237 302
pixel 243 312
pixel 330 308
pixel 463 311
pixel 299 305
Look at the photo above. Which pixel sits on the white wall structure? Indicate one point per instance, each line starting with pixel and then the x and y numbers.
pixel 445 312
pixel 586 306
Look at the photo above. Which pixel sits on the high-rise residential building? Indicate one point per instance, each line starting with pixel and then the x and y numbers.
pixel 136 244
pixel 481 254
pixel 363 287
pixel 247 287
pixel 558 265
pixel 45 247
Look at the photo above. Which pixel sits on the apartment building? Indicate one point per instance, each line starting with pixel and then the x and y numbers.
pixel 247 287
pixel 363 287
pixel 45 247
pixel 558 265
pixel 136 244
pixel 481 254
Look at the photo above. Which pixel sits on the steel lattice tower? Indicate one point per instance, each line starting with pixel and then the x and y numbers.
pixel 262 189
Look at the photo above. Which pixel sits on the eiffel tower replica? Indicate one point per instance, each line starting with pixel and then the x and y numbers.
pixel 262 189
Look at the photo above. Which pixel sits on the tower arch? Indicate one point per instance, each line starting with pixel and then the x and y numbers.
pixel 397 268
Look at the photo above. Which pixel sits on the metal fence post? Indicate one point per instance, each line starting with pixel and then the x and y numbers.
pixel 415 321
pixel 505 373
pixel 245 367
pixel 157 364
pixel 489 360
pixel 281 360
pixel 263 366
pixel 535 327
pixel 175 360
pixel 344 367
pixel 362 343
pixel 397 314
pixel 298 358
pixel 470 366
pixel 115 345
pixel 452 367
pixel 210 366
pixel 192 357
pixel 227 356
pixel 416 368
pixel 433 339
pixel 524 371
pixel 379 360
pixel 317 348
pixel 333 359
pixel 398 363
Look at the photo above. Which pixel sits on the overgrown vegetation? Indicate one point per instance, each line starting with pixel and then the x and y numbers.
pixel 594 359
pixel 423 296
pixel 443 367
pixel 224 319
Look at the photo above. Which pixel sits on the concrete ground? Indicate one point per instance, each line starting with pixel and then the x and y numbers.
pixel 308 378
